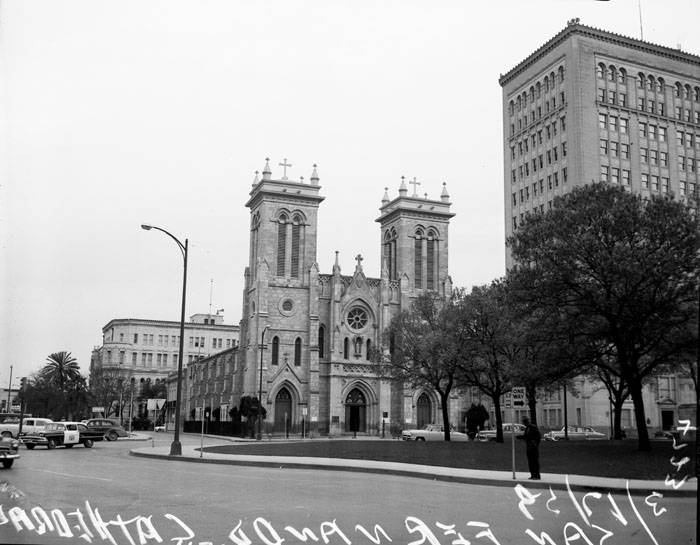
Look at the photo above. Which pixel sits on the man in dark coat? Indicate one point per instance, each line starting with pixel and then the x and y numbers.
pixel 532 445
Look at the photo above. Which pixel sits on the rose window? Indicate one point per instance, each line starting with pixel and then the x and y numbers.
pixel 357 319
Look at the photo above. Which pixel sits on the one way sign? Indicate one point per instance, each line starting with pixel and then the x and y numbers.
pixel 518 396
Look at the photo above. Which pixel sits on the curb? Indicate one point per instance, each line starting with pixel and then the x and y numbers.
pixel 486 481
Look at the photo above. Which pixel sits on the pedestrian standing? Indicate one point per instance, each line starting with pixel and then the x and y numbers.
pixel 532 446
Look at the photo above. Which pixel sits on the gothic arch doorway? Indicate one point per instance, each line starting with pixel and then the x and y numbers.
pixel 355 412
pixel 283 410
pixel 424 411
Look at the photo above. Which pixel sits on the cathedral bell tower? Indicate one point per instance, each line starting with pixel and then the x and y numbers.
pixel 280 300
pixel 414 240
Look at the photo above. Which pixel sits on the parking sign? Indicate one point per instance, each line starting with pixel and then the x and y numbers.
pixel 518 396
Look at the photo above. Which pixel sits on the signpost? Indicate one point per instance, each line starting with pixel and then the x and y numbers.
pixel 514 398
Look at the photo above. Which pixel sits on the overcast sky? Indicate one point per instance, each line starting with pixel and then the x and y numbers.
pixel 114 114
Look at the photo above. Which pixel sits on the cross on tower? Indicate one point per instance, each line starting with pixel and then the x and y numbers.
pixel 359 260
pixel 285 165
pixel 414 183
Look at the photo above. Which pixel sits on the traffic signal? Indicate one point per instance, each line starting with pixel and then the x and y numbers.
pixel 22 383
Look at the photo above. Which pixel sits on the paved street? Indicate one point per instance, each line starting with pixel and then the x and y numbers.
pixel 141 500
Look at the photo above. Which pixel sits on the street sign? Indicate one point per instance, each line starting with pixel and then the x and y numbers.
pixel 98 409
pixel 507 400
pixel 518 396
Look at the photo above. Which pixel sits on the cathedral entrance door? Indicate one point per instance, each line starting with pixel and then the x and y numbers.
pixel 355 412
pixel 424 411
pixel 283 408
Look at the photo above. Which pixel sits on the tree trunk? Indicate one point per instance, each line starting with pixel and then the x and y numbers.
pixel 499 420
pixel 445 413
pixel 531 393
pixel 635 387
pixel 617 419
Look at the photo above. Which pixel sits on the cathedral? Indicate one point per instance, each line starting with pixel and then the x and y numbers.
pixel 306 337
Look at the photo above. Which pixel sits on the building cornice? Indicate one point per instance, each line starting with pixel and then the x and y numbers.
pixel 601 35
pixel 168 323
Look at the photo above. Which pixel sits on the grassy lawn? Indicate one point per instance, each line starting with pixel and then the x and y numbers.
pixel 599 458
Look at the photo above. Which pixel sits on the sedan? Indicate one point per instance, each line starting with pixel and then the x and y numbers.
pixel 432 432
pixel 490 435
pixel 575 433
pixel 111 429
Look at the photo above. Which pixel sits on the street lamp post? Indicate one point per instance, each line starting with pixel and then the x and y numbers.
pixel 262 341
pixel 176 446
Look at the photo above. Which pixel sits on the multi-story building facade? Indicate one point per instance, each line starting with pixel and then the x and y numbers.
pixel 592 106
pixel 147 350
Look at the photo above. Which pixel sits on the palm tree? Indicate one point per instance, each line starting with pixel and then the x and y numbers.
pixel 61 369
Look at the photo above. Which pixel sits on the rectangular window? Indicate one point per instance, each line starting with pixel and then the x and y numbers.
pixel 539 137
pixel 150 360
pixel 651 106
pixel 663 158
pixel 681 162
pixel 522 195
pixel 562 122
pixel 512 152
pixel 625 151
pixel 191 342
pixel 662 108
pixel 612 123
pixel 654 157
pixel 640 103
pixel 534 189
pixel 614 149
pixel 134 358
pixel 624 125
pixel 602 122
pixel 563 149
pixel 645 180
pixel 615 175
pixel 165 360
pixel 601 95
pixel 662 134
pixel 689 139
pixel 143 359
pixel 681 187
pixel 136 338
pixel 540 159
pixel 554 129
pixel 515 223
pixel 541 186
pixel 622 99
pixel 527 193
pixel 664 185
pixel 679 112
pixel 652 131
pixel 549 157
pixel 515 199
pixel 603 146
pixel 680 138
pixel 556 179
pixel 159 360
pixel 691 164
pixel 604 173
pixel 625 177
pixel 556 154
pixel 654 183
pixel 512 176
pixel 642 129
pixel 612 97
pixel 565 176
pixel 549 182
pixel 644 155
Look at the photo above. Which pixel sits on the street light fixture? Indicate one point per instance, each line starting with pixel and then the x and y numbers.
pixel 260 406
pixel 176 446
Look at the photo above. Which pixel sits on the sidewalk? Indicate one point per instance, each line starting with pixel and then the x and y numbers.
pixel 467 476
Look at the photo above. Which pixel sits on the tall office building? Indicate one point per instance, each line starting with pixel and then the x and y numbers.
pixel 594 106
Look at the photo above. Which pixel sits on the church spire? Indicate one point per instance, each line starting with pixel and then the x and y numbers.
pixel 267 173
pixel 385 198
pixel 256 180
pixel 314 176
pixel 444 196
pixel 403 191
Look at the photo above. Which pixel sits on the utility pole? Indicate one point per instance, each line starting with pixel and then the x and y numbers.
pixel 9 390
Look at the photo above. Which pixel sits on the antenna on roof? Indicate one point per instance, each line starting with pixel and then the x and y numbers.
pixel 641 28
pixel 211 290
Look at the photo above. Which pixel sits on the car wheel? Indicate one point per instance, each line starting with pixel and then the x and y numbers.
pixel 69 446
pixel 6 434
pixel 51 444
pixel 420 438
pixel 7 464
pixel 88 443
pixel 30 446
pixel 112 436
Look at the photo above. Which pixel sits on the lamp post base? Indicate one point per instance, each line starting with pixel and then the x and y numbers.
pixel 175 448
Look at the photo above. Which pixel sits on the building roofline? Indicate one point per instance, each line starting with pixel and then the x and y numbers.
pixel 602 35
pixel 188 325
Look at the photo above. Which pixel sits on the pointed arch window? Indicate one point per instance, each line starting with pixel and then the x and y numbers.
pixel 431 248
pixel 275 350
pixel 418 259
pixel 346 347
pixel 297 351
pixel 369 348
pixel 281 244
pixel 321 341
pixel 390 253
pixel 296 238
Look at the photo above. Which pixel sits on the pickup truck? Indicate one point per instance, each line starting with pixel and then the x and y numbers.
pixel 66 434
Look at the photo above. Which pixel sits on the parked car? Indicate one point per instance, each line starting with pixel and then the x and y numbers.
pixel 160 427
pixel 575 433
pixel 9 424
pixel 67 434
pixel 432 432
pixel 111 429
pixel 9 451
pixel 490 435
